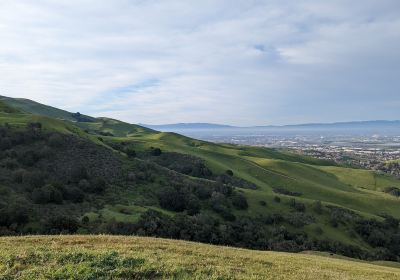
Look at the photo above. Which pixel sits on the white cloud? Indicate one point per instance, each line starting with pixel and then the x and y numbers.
pixel 239 62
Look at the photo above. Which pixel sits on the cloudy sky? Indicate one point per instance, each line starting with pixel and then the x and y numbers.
pixel 247 62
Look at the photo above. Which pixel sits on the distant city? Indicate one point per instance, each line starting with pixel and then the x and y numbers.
pixel 371 145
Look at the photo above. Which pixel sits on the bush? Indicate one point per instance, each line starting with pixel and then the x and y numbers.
pixel 239 201
pixel 277 199
pixel 78 173
pixel 84 185
pixel 5 143
pixel 73 194
pixel 15 213
pixel 34 179
pixel 61 224
pixel 171 199
pixel 98 185
pixel 47 194
pixel 286 192
pixel 156 151
pixel 392 191
pixel 193 206
pixel 317 207
pixel 298 206
pixel 318 230
pixel 55 140
pixel 229 172
pixel 131 153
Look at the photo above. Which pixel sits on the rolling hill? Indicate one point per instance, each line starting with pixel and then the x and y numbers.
pixel 110 257
pixel 101 175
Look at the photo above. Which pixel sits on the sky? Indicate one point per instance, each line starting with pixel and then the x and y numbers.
pixel 249 62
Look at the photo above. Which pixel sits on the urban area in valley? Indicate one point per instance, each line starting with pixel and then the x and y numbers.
pixel 374 150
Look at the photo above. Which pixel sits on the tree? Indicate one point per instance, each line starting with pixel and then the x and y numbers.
pixel 130 152
pixel 84 185
pixel 47 194
pixel 156 151
pixel 78 173
pixel 193 205
pixel 317 206
pixel 5 143
pixel 73 194
pixel 171 199
pixel 98 185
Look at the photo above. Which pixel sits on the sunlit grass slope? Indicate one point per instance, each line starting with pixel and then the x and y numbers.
pixel 356 189
pixel 107 257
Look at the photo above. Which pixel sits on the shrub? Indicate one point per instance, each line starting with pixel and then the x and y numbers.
pixel 34 179
pixel 78 173
pixel 73 194
pixel 392 191
pixel 156 151
pixel 239 201
pixel 84 185
pixel 130 153
pixel 98 185
pixel 286 192
pixel 193 205
pixel 171 199
pixel 47 194
pixel 318 230
pixel 298 206
pixel 55 140
pixel 317 207
pixel 5 143
pixel 61 224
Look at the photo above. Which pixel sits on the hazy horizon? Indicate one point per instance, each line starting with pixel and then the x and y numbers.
pixel 241 63
pixel 289 124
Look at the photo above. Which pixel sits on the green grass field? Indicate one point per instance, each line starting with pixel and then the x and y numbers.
pixel 316 180
pixel 110 257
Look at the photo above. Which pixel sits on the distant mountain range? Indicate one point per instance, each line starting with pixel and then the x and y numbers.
pixel 188 126
pixel 353 124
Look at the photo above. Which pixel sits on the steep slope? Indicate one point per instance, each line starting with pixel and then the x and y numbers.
pixel 110 257
pixel 104 125
pixel 36 108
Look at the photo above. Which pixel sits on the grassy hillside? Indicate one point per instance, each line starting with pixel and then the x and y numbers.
pixel 172 185
pixel 359 190
pixel 85 122
pixel 108 257
pixel 33 107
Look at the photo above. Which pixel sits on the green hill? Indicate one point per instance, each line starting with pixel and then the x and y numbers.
pixel 99 175
pixel 107 257
pixel 86 122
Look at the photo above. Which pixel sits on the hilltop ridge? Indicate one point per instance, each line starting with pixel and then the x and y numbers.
pixel 112 257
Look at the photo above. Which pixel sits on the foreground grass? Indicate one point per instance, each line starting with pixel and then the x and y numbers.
pixel 110 257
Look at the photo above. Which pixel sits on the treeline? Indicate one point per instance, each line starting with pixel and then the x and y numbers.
pixel 263 233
